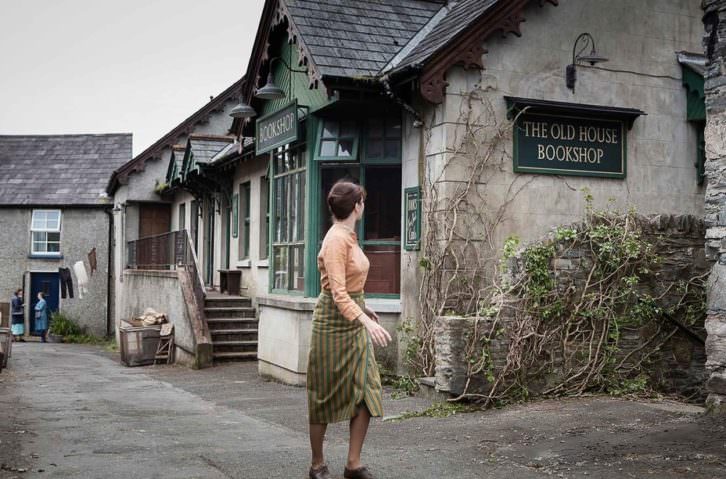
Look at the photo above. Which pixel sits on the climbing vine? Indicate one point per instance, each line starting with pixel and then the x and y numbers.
pixel 565 306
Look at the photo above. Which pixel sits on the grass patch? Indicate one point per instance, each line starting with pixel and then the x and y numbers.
pixel 439 410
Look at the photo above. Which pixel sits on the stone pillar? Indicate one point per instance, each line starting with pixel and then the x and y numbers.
pixel 715 136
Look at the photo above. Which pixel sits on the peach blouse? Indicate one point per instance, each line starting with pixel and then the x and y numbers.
pixel 343 268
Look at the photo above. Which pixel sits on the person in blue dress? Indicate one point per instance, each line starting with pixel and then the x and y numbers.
pixel 17 322
pixel 41 317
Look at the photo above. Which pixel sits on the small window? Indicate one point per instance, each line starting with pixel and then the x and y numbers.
pixel 244 224
pixel 383 140
pixel 45 232
pixel 338 140
pixel 182 216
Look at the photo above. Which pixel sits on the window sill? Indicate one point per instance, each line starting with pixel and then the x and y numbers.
pixel 46 256
pixel 263 263
pixel 245 263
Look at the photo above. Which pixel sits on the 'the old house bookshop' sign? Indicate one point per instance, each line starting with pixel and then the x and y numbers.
pixel 569 139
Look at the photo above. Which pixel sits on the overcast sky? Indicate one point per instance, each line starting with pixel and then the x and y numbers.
pixel 107 66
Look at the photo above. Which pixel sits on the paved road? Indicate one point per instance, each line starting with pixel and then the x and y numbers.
pixel 74 412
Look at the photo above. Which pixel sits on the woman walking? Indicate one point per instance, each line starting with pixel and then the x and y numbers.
pixel 17 323
pixel 343 381
pixel 41 317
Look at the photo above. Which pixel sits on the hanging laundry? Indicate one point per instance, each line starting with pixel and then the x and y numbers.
pixel 66 282
pixel 82 276
pixel 92 260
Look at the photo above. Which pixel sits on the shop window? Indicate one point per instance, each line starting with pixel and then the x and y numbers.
pixel 45 232
pixel 383 140
pixel 182 216
pixel 288 242
pixel 338 140
pixel 264 213
pixel 244 221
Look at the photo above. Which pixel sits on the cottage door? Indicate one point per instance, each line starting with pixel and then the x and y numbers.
pixel 154 219
pixel 49 285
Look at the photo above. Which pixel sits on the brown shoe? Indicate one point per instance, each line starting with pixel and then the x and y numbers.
pixel 360 473
pixel 320 473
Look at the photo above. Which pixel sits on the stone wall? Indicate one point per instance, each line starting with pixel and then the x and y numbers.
pixel 678 367
pixel 715 136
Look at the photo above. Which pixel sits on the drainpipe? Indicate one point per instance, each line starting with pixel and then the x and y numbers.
pixel 110 282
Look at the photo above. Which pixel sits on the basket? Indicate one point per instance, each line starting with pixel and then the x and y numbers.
pixel 138 344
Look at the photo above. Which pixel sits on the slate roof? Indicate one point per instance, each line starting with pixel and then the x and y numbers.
pixel 59 170
pixel 205 148
pixel 458 16
pixel 357 38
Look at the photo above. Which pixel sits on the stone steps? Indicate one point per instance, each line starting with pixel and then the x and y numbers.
pixel 232 323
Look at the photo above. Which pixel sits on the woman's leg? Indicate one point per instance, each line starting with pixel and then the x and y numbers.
pixel 358 430
pixel 317 435
pixel 42 335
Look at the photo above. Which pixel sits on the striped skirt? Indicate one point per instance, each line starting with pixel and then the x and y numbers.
pixel 342 369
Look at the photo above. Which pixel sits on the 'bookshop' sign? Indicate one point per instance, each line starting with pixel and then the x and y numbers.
pixel 569 145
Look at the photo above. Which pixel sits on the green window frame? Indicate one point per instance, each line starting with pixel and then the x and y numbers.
pixel 337 140
pixel 383 140
pixel 264 213
pixel 287 249
pixel 244 206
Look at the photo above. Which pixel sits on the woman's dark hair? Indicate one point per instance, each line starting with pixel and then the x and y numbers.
pixel 343 196
pixel 41 294
pixel 17 291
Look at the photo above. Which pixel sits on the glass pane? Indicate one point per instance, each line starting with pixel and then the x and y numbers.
pixel 345 148
pixel 384 275
pixel 327 148
pixel 374 149
pixel 393 149
pixel 298 275
pixel 383 205
pixel 294 206
pixel 38 222
pixel 279 267
pixel 330 129
pixel 39 247
pixel 375 128
pixel 53 237
pixel 347 129
pixel 53 219
pixel 280 205
pixel 53 247
pixel 393 128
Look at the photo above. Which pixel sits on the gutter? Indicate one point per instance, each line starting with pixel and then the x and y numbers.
pixel 386 81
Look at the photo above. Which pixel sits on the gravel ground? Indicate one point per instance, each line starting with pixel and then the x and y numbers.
pixel 75 412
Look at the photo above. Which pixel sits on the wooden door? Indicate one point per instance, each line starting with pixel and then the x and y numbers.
pixel 154 219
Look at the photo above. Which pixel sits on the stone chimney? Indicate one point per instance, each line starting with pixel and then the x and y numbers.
pixel 715 138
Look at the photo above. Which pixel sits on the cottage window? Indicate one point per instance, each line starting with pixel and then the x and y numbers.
pixel 288 242
pixel 45 231
pixel 338 140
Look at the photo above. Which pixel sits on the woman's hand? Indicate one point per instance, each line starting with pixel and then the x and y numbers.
pixel 372 314
pixel 378 333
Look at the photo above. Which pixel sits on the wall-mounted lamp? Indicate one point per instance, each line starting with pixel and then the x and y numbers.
pixel 242 110
pixel 271 91
pixel 577 57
